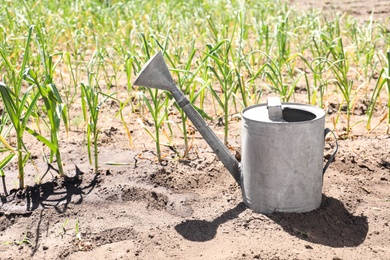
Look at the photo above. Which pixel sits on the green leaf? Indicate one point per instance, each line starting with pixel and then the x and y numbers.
pixel 25 158
pixel 292 87
pixel 30 106
pixel 146 129
pixel 6 144
pixel 216 96
pixel 150 107
pixel 30 76
pixel 52 147
pixel 89 143
pixel 25 58
pixel 55 95
pixel 216 75
pixel 83 100
pixel 9 104
pixel 202 113
pixel 6 160
pixel 64 116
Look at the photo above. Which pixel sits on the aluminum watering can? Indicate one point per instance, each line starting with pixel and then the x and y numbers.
pixel 282 147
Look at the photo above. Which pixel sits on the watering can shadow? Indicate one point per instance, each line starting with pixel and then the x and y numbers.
pixel 202 230
pixel 330 225
pixel 282 147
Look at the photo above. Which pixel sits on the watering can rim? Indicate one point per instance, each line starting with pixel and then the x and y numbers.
pixel 316 111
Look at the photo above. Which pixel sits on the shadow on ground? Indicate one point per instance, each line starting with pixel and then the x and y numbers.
pixel 331 225
pixel 202 230
pixel 57 194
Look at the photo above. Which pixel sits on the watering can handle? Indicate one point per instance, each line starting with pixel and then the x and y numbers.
pixel 331 158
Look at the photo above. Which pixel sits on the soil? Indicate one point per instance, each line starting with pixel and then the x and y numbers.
pixel 137 208
pixel 361 9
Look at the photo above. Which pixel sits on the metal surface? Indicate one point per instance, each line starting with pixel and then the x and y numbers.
pixel 275 112
pixel 283 161
pixel 155 74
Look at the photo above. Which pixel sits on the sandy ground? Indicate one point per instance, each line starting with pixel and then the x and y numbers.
pixel 361 9
pixel 192 209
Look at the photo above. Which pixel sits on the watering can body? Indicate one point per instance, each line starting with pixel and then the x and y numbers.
pixel 282 161
pixel 282 149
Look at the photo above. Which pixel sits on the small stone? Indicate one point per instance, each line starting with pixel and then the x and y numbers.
pixel 45 247
pixel 308 247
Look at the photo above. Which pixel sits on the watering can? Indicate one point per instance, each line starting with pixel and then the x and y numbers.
pixel 281 168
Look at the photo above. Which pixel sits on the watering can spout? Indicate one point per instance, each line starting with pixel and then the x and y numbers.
pixel 155 74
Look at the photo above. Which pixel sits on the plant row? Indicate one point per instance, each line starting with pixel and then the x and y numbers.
pixel 224 55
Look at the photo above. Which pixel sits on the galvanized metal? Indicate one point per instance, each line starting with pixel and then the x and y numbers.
pixel 155 74
pixel 274 107
pixel 282 161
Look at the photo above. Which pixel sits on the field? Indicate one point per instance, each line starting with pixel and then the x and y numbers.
pixel 95 167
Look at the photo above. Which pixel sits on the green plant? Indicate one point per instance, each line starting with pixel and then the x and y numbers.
pixel 155 105
pixel 70 89
pixel 91 107
pixel 339 63
pixel 122 105
pixel 282 40
pixel 186 81
pixel 77 229
pixel 54 107
pixel 226 78
pixel 55 110
pixel 63 230
pixel 24 240
pixel 364 41
pixel 319 68
pixel 3 163
pixel 7 149
pixel 383 80
pixel 18 104
pixel 277 81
